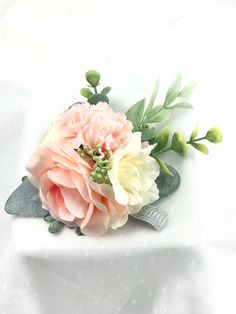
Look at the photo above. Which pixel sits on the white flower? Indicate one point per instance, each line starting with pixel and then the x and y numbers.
pixel 133 173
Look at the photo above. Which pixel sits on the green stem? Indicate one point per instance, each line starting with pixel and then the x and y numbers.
pixel 95 90
pixel 162 151
pixel 197 140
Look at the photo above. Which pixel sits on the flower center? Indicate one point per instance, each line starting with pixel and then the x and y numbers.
pixel 100 160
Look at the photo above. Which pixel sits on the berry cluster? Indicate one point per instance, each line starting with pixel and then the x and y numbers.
pixel 101 163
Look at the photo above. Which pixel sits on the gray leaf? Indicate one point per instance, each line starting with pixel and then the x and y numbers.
pixel 78 231
pixel 25 201
pixel 55 226
pixel 48 218
pixel 168 184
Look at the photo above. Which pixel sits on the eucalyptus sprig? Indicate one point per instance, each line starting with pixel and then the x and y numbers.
pixel 93 97
pixel 180 145
pixel 213 135
pixel 176 98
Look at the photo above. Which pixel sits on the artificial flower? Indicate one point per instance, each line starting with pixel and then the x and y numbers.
pixel 133 173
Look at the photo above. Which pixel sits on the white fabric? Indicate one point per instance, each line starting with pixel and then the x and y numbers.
pixel 45 48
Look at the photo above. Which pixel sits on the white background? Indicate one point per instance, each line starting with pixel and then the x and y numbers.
pixel 45 49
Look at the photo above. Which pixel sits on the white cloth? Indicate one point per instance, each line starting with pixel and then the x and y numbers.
pixel 45 48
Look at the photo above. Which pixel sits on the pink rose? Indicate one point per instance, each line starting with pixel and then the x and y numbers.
pixel 68 194
pixel 93 125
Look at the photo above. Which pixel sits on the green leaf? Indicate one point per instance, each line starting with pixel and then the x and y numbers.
pixel 187 90
pixel 86 92
pixel 153 98
pixel 173 90
pixel 201 147
pixel 162 139
pixel 135 113
pixel 25 201
pixel 78 231
pixel 181 105
pixel 158 116
pixel 194 133
pixel 155 111
pixel 167 184
pixel 96 98
pixel 214 135
pixel 148 134
pixel 179 145
pixel 92 77
pixel 55 226
pixel 164 167
pixel 48 218
pixel 106 90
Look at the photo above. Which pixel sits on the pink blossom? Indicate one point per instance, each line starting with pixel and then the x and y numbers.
pixel 62 176
pixel 93 125
pixel 68 194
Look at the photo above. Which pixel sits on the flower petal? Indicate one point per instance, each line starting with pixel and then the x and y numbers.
pixel 61 176
pixel 74 202
pixel 97 224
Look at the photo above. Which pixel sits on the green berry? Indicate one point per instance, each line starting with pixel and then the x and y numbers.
pixel 99 176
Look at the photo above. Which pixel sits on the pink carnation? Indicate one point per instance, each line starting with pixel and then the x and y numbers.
pixel 93 125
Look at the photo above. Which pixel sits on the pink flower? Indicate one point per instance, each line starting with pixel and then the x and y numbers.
pixel 64 185
pixel 93 125
pixel 62 176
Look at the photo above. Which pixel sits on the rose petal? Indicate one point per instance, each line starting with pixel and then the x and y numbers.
pixel 60 176
pixel 97 224
pixel 74 202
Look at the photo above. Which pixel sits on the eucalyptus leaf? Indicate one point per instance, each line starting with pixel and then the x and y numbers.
pixel 187 90
pixel 164 167
pixel 179 144
pixel 86 92
pixel 160 116
pixel 25 201
pixel 135 113
pixel 201 147
pixel 154 111
pixel 173 90
pixel 106 90
pixel 162 139
pixel 153 97
pixel 92 77
pixel 55 226
pixel 181 105
pixel 168 184
pixel 194 133
pixel 148 134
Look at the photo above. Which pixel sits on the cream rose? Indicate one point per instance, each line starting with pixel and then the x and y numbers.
pixel 133 173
